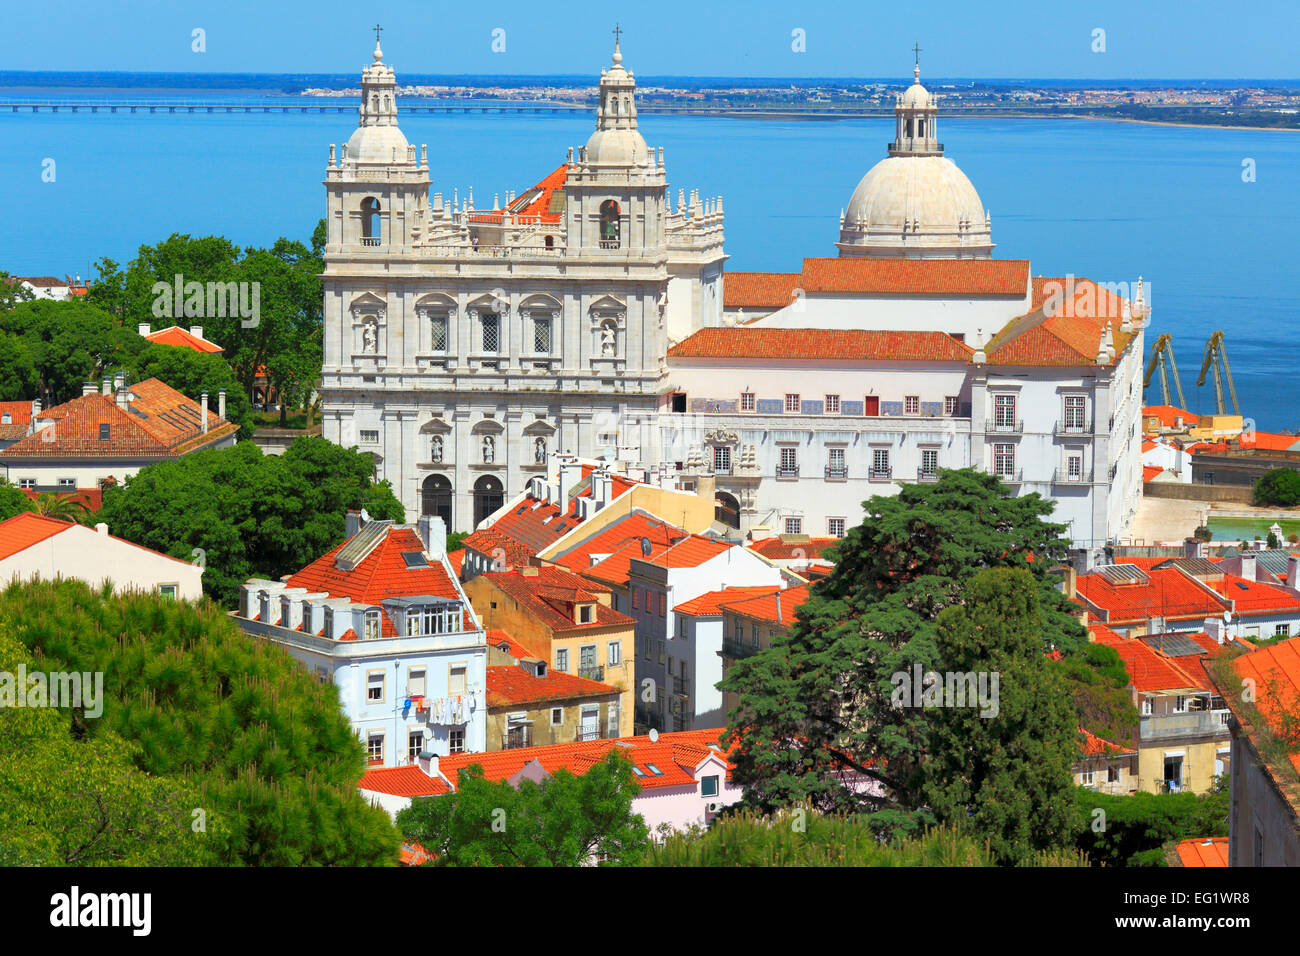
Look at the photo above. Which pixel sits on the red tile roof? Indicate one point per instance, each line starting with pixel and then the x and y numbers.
pixel 871 276
pixel 1203 851
pixel 677 754
pixel 175 335
pixel 1166 593
pixel 839 345
pixel 769 609
pixel 1149 472
pixel 779 548
pixel 24 530
pixel 1150 670
pixel 627 530
pixel 159 423
pixel 381 574
pixel 1255 597
pixel 510 685
pixel 20 416
pixel 711 603
pixel 759 290
pixel 539 201
pixel 1065 329
pixel 690 552
pixel 1168 414
pixel 92 498
pixel 499 547
pixel 551 595
pixel 1276 672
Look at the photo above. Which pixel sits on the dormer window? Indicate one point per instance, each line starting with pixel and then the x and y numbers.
pixel 423 620
pixel 586 613
pixel 329 622
pixel 374 624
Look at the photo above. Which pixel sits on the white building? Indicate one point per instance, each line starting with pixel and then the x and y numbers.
pixel 465 346
pixel 383 617
pixel 34 546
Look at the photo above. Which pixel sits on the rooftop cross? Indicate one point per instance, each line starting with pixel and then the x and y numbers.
pixel 617 33
pixel 917 50
pixel 378 29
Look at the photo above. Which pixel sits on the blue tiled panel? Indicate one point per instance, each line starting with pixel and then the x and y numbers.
pixel 891 408
pixel 812 406
pixel 714 406
pixel 933 409
pixel 851 408
pixel 770 406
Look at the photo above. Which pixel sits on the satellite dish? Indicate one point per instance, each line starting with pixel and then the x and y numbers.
pixel 1227 616
pixel 654 735
pixel 645 547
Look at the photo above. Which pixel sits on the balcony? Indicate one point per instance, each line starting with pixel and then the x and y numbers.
pixel 1193 723
pixel 679 687
pixel 1009 477
pixel 923 475
pixel 1004 426
pixel 880 474
pixel 1071 430
pixel 787 471
pixel 609 243
pixel 597 733
pixel 837 472
pixel 1064 477
pixel 373 242
pixel 592 672
pixel 738 649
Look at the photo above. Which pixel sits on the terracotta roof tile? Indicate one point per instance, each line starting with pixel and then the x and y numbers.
pixel 551 595
pixel 842 345
pixel 776 607
pixel 24 530
pixel 1203 851
pixel 510 685
pixel 175 335
pixel 759 290
pixel 965 277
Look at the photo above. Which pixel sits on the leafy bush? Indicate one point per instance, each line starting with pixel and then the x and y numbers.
pixel 1278 488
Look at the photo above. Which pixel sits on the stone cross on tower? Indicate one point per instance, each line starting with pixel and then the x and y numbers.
pixel 378 30
pixel 617 33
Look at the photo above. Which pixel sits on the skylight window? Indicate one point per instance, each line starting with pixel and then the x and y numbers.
pixel 654 770
pixel 638 771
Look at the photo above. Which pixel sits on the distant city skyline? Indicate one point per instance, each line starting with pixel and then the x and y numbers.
pixel 1016 39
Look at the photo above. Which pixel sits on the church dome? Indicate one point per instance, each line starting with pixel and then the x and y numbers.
pixel 616 147
pixel 616 140
pixel 377 138
pixel 377 144
pixel 915 202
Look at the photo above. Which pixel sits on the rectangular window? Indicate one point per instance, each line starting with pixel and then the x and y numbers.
pixel 832 404
pixel 586 657
pixel 491 323
pixel 557 716
pixel 789 466
pixel 1282 630
pixel 542 334
pixel 1112 774
pixel 562 659
pixel 911 404
pixel 375 688
pixel 835 466
pixel 747 403
pixel 614 653
pixel 722 459
pixel 880 463
pixel 1004 412
pixel 636 597
pixel 373 625
pixel 27 483
pixel 753 634
pixel 1074 467
pixel 438 332
pixel 1004 460
pixel 835 527
pixel 456 740
pixel 1074 413
pixel 709 786
pixel 661 651
pixel 375 748
pixel 369 437
pixel 415 682
pixel 791 402
pixel 104 431
pixel 169 591
pixel 794 525
pixel 414 744
pixel 929 461
pixel 950 405
pixel 456 680
pixel 67 484
pixel 1088 776
pixel 663 604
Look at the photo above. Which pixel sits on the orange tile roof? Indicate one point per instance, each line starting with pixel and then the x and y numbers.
pixel 711 603
pixel 675 753
pixel 690 552
pixel 627 530
pixel 1094 746
pixel 510 685
pixel 1150 670
pixel 500 547
pixel 457 559
pixel 871 276
pixel 381 574
pixel 759 290
pixel 1149 472
pixel 1167 593
pixel 24 530
pixel 92 498
pixel 614 570
pixel 1168 414
pixel 840 345
pixel 550 596
pixel 159 423
pixel 537 201
pixel 175 335
pixel 1254 597
pixel 20 416
pixel 1062 329
pixel 767 607
pixel 1203 851
pixel 778 549
pixel 1276 672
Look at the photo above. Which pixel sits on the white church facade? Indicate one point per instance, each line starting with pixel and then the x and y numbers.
pixel 586 316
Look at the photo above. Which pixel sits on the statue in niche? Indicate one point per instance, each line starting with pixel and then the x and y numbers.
pixel 370 335
pixel 435 450
pixel 489 449
pixel 539 451
pixel 608 338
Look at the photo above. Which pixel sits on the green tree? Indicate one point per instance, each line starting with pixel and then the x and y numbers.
pixel 67 343
pixel 12 291
pixel 12 500
pixel 18 376
pixel 66 507
pixel 263 749
pixel 564 821
pixel 1278 488
pixel 818 701
pixel 1003 770
pixel 1131 829
pixel 248 514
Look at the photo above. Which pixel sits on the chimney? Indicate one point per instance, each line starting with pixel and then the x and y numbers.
pixel 1248 565
pixel 107 387
pixel 221 404
pixel 529 572
pixel 196 331
pixel 428 763
pixel 1155 625
pixel 779 618
pixel 143 328
pixel 119 380
pixel 433 532
pixel 1214 628
pixel 352 523
pixel 123 398
pixel 36 408
pixel 1292 566
pixel 88 388
pixel 102 528
pixel 1070 586
pixel 203 409
pixel 1193 548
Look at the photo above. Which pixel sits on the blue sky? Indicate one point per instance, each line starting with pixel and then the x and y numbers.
pixel 959 38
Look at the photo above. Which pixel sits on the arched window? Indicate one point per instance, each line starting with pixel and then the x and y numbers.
pixel 726 510
pixel 609 224
pixel 370 219
pixel 436 497
pixel 550 242
pixel 489 495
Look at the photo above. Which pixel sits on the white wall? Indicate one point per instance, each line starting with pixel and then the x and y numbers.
pixel 95 557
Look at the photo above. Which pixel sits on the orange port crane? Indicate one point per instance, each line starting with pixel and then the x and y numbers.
pixel 1216 357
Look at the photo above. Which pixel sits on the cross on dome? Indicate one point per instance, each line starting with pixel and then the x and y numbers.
pixel 379 54
pixel 916 70
pixel 618 54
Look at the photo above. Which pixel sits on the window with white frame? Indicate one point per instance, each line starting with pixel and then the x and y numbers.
pixel 747 401
pixel 414 744
pixel 415 682
pixel 789 466
pixel 950 405
pixel 1282 630
pixel 791 402
pixel 562 659
pixel 1004 412
pixel 835 527
pixel 456 680
pixel 614 653
pixel 456 740
pixel 26 482
pixel 70 484
pixel 1088 777
pixel 911 404
pixel 1075 407
pixel 170 591
pixel 1074 466
pixel 794 525
pixel 375 687
pixel 832 404
pixel 375 747
pixel 835 466
pixel 373 625
pixel 557 716
pixel 880 463
pixel 369 437
pixel 1004 460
